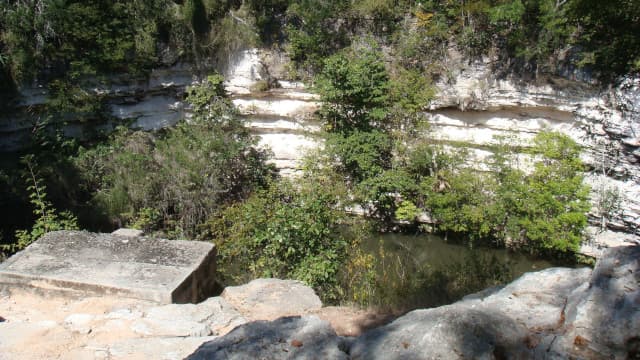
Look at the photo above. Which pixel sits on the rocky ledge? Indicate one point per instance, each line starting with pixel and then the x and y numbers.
pixel 555 313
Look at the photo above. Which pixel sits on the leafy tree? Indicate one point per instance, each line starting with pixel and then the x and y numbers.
pixel 354 91
pixel 427 160
pixel 176 181
pixel 460 202
pixel 608 31
pixel 196 15
pixel 607 203
pixel 385 193
pixel 557 201
pixel 361 155
pixel 546 210
pixel 314 31
pixel 268 15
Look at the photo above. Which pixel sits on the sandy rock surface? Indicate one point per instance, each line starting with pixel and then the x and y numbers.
pixel 36 327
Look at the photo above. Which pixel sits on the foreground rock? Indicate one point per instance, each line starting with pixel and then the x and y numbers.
pixel 77 263
pixel 268 299
pixel 123 328
pixel 286 338
pixel 556 313
pixel 603 315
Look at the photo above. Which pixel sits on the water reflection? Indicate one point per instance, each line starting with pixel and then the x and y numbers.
pixel 424 270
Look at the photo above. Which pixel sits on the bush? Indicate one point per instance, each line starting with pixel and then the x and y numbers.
pixel 386 191
pixel 361 155
pixel 285 231
pixel 184 175
pixel 47 217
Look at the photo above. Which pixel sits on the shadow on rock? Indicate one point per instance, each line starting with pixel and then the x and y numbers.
pixel 603 316
pixel 285 338
pixel 449 332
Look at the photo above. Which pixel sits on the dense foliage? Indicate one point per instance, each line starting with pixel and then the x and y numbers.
pixel 400 177
pixel 174 182
pixel 529 36
pixel 72 39
pixel 284 232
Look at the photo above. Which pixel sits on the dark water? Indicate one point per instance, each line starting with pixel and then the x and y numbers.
pixel 424 270
pixel 438 254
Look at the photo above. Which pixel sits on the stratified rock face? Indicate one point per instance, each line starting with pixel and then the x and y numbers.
pixel 280 116
pixel 304 338
pixel 267 299
pixel 148 104
pixel 474 108
pixel 79 263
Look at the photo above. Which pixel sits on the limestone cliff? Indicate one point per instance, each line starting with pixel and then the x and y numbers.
pixel 473 108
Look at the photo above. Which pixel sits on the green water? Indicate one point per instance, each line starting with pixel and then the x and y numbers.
pixel 438 253
pixel 425 270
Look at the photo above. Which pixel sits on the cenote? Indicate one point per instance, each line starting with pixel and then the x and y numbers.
pixel 425 270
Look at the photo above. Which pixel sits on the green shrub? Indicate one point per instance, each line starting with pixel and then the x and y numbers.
pixel 183 175
pixel 284 232
pixel 360 155
pixel 47 217
pixel 384 192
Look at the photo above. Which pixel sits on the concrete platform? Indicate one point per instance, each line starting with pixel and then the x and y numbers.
pixel 77 263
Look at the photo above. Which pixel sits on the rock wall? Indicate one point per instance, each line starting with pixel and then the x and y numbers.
pixel 148 104
pixel 475 108
pixel 278 111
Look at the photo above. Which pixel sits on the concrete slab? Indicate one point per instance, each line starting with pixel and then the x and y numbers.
pixel 82 263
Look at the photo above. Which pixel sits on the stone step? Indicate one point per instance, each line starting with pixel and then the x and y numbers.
pixel 77 263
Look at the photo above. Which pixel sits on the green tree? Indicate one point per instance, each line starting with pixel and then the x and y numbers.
pixel 354 91
pixel 555 212
pixel 608 31
pixel 385 193
pixel 314 31
pixel 546 210
pixel 361 154
pixel 460 202
pixel 185 174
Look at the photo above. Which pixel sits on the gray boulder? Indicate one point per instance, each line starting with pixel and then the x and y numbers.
pixel 603 315
pixel 455 331
pixel 305 337
pixel 212 317
pixel 268 299
pixel 556 313
pixel 537 299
